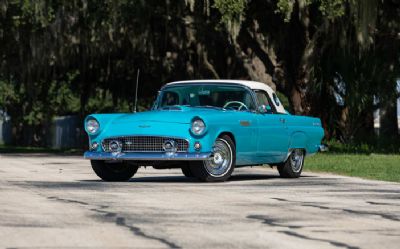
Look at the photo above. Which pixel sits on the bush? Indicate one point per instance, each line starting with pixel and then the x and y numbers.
pixel 367 146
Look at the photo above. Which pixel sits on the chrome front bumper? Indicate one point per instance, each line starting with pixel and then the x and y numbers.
pixel 147 156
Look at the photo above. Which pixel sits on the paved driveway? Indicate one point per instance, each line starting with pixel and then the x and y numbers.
pixel 56 201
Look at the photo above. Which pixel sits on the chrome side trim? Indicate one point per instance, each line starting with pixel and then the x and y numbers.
pixel 147 156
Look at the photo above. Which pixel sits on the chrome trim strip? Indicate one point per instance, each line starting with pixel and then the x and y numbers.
pixel 148 156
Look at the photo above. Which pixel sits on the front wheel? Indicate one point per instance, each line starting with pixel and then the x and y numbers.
pixel 221 166
pixel 294 164
pixel 186 171
pixel 113 171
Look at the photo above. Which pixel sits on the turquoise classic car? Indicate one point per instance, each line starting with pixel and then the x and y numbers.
pixel 205 127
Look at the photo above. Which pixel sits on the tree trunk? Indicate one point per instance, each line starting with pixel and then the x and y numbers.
pixel 388 113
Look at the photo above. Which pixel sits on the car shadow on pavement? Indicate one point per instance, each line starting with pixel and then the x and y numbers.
pixel 241 177
pixel 183 179
pixel 165 179
pixel 253 177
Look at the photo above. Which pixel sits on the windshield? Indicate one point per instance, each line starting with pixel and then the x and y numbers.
pixel 217 96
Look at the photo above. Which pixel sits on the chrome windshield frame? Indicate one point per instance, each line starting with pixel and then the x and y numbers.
pixel 246 88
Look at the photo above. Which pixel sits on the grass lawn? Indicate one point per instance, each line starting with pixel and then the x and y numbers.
pixel 374 166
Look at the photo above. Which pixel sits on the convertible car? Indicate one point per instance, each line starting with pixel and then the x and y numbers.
pixel 205 127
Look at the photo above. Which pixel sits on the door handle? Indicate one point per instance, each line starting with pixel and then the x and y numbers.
pixel 282 120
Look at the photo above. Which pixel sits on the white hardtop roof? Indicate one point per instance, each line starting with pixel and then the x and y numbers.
pixel 250 84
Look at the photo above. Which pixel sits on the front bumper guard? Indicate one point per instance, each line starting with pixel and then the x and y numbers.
pixel 147 156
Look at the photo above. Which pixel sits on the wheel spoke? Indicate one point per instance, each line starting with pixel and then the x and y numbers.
pixel 222 160
pixel 296 160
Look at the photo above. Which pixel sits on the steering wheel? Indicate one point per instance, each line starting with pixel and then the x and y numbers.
pixel 240 105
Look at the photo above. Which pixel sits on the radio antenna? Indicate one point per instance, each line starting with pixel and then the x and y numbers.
pixel 136 92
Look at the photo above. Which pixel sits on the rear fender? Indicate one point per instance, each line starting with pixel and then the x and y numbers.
pixel 298 140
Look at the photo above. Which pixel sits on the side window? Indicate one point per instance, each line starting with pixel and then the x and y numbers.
pixel 248 101
pixel 263 99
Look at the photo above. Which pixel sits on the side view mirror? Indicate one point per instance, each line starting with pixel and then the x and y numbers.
pixel 265 109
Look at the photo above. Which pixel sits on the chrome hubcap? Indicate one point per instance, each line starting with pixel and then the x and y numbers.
pixel 220 164
pixel 218 159
pixel 296 160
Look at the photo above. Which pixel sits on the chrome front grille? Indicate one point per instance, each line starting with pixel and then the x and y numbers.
pixel 145 143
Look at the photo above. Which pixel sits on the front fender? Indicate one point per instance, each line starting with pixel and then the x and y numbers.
pixel 104 121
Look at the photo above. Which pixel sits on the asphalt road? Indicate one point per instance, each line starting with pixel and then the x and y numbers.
pixel 57 201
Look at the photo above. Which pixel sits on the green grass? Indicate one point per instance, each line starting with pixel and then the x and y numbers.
pixel 373 166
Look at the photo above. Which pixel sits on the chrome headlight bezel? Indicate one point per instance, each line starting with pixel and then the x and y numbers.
pixel 92 126
pixel 198 126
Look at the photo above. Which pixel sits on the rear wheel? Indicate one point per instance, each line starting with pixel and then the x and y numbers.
pixel 219 168
pixel 294 164
pixel 113 171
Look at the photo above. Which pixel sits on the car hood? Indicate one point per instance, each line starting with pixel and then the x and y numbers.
pixel 181 115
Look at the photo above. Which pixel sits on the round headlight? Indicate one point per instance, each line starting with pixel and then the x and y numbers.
pixel 92 126
pixel 198 126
